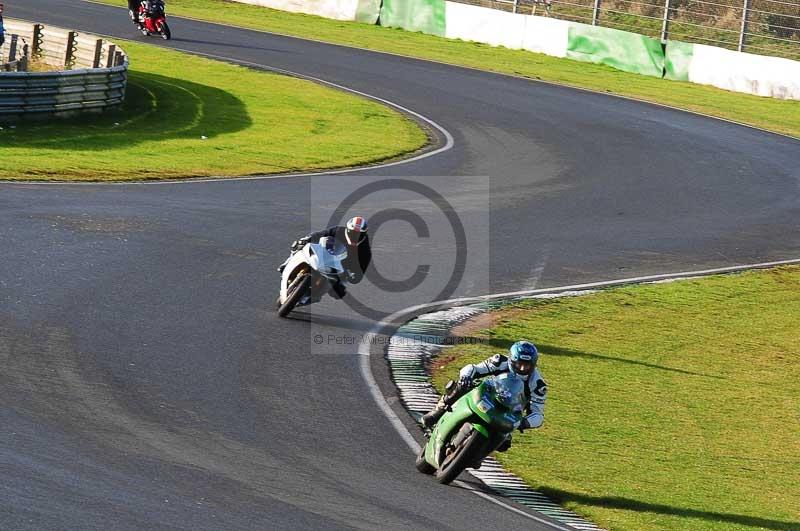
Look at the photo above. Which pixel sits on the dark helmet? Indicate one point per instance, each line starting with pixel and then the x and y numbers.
pixel 522 358
pixel 356 230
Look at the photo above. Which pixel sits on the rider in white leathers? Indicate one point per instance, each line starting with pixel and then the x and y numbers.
pixel 359 253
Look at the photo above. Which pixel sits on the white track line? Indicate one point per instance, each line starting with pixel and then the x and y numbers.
pixel 381 327
pixel 449 142
pixel 511 507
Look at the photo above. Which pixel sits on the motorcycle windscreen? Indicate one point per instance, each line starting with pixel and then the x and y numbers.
pixel 510 391
pixel 330 260
pixel 333 248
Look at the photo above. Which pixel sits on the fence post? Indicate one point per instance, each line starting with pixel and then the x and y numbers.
pixel 36 45
pixel 98 53
pixel 596 13
pixel 69 55
pixel 110 57
pixel 743 31
pixel 12 49
pixel 665 22
pixel 515 6
pixel 22 64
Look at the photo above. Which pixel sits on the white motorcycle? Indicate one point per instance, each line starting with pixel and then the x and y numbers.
pixel 309 273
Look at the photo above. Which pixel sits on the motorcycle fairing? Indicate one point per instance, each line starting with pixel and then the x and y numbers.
pixel 314 256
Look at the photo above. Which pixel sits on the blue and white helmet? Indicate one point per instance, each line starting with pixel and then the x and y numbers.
pixel 522 358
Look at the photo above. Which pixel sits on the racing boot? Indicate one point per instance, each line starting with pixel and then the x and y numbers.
pixel 451 394
pixel 338 290
pixel 430 418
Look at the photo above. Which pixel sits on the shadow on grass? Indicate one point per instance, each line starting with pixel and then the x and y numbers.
pixel 156 108
pixel 615 502
pixel 552 350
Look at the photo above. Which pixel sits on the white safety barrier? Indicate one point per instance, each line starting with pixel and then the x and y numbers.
pixel 549 36
pixel 489 26
pixel 744 72
pixel 354 10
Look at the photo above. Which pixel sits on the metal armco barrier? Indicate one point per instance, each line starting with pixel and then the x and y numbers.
pixel 89 73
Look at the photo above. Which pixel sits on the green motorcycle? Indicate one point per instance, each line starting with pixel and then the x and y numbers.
pixel 472 428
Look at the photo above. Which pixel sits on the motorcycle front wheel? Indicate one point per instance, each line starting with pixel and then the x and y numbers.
pixel 163 29
pixel 462 457
pixel 297 289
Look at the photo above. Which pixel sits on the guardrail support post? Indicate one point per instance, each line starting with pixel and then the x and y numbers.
pixel 22 64
pixel 12 49
pixel 69 55
pixel 665 22
pixel 110 57
pixel 38 39
pixel 743 31
pixel 98 53
pixel 596 13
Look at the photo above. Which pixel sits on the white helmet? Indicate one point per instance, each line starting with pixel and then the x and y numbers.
pixel 356 231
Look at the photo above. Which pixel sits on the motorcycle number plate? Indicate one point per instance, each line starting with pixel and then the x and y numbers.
pixel 484 406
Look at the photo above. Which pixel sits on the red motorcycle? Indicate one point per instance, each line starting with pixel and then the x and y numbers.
pixel 153 19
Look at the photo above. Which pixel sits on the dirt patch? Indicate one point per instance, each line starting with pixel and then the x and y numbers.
pixel 473 326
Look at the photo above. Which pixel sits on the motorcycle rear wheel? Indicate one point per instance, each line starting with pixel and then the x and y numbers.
pixel 465 456
pixel 295 295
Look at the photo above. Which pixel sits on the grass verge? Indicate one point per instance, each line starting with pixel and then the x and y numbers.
pixel 186 116
pixel 781 116
pixel 671 406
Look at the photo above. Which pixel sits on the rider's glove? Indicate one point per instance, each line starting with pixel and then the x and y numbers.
pixel 465 382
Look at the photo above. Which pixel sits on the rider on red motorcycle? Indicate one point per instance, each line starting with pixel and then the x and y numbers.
pixel 133 9
pixel 138 8
pixel 149 16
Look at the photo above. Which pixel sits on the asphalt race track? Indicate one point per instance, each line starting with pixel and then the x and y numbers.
pixel 146 381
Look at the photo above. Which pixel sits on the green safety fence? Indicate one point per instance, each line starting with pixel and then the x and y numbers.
pixel 677 60
pixel 427 16
pixel 620 49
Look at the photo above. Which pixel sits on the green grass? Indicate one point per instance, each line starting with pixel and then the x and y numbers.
pixel 671 406
pixel 782 116
pixel 254 123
